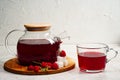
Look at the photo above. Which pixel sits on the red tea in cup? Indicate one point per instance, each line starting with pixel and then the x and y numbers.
pixel 93 57
pixel 92 60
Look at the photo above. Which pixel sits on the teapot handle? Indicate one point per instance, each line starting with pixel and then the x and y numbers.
pixel 6 41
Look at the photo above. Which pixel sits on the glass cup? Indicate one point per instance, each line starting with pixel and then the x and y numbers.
pixel 92 57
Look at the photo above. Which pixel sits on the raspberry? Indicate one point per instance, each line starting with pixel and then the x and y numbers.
pixel 55 66
pixel 36 68
pixel 62 53
pixel 49 65
pixel 44 64
pixel 30 67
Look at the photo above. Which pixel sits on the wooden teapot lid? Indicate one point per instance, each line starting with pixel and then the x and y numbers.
pixel 37 27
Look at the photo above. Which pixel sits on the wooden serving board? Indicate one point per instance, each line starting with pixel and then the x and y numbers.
pixel 13 66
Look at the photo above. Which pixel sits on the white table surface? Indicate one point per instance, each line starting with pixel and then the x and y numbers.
pixel 112 71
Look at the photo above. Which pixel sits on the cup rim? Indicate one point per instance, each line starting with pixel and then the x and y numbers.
pixel 92 45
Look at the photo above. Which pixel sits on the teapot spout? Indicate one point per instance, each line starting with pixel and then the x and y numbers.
pixel 57 39
pixel 63 35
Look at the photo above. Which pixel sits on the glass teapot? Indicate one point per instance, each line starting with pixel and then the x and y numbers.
pixel 37 44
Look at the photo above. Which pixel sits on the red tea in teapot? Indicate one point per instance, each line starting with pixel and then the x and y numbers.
pixel 30 50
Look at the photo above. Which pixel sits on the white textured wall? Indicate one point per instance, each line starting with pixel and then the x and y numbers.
pixel 84 20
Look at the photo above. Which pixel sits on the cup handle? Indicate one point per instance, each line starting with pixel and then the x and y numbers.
pixel 6 41
pixel 115 52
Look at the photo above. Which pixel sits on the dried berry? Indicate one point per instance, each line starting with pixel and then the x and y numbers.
pixel 55 66
pixel 36 68
pixel 30 67
pixel 62 53
pixel 44 64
